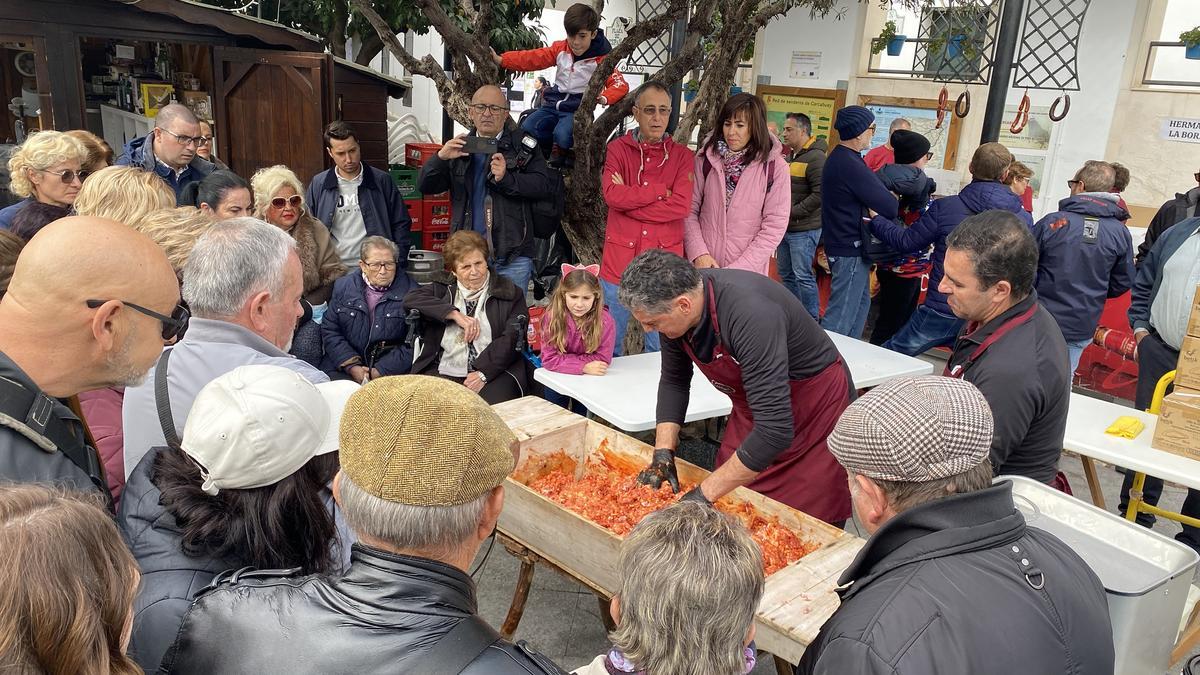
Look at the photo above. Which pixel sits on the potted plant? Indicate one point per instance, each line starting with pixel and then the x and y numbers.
pixel 954 46
pixel 1191 41
pixel 888 39
pixel 690 89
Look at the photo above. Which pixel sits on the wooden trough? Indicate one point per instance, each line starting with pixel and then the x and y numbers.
pixel 798 598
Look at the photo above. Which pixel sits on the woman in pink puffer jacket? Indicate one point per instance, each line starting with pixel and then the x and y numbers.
pixel 742 193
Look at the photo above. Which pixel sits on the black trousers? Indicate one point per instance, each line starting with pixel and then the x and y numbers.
pixel 1155 359
pixel 498 390
pixel 896 301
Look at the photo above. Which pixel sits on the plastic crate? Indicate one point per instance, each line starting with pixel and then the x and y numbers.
pixel 415 154
pixel 434 241
pixel 416 211
pixel 533 334
pixel 435 215
pixel 405 178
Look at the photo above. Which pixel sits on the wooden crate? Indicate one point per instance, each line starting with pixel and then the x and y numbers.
pixel 798 598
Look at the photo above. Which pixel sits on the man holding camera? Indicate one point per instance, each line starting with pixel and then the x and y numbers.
pixel 494 174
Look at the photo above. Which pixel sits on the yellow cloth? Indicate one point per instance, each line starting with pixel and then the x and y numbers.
pixel 1126 427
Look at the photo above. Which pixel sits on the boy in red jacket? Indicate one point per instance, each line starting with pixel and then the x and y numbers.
pixel 576 59
pixel 647 183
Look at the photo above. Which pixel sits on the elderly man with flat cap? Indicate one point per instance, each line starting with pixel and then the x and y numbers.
pixel 89 305
pixel 423 462
pixel 952 580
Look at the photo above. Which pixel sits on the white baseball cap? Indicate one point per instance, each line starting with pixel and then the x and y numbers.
pixel 257 425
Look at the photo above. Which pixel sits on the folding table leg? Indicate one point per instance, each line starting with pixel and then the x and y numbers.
pixel 1089 472
pixel 520 594
pixel 782 667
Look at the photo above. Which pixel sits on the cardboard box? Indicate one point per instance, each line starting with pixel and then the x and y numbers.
pixel 1193 328
pixel 1187 371
pixel 1178 430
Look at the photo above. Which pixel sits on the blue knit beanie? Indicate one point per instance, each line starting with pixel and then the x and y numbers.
pixel 852 120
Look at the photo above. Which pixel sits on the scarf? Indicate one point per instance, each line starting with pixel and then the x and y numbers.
pixel 471 303
pixel 616 663
pixel 735 163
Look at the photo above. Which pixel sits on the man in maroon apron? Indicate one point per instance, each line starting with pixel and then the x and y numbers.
pixel 1011 347
pixel 756 343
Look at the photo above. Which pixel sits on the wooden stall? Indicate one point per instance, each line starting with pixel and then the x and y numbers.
pixel 271 89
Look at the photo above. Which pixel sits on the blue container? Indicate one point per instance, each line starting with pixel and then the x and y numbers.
pixel 954 46
pixel 1193 52
pixel 896 45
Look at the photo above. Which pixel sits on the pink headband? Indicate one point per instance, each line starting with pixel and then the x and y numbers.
pixel 593 270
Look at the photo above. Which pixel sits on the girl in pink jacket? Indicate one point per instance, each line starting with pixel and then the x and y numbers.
pixel 578 333
pixel 742 193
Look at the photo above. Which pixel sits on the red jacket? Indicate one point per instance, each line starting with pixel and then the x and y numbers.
pixel 640 214
pixel 573 74
pixel 879 157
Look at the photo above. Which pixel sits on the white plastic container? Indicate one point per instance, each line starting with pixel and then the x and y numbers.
pixel 1145 574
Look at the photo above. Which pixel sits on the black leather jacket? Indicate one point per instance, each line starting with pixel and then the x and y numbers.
pixel 380 617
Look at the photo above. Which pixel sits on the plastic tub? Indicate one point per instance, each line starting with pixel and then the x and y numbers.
pixel 1145 574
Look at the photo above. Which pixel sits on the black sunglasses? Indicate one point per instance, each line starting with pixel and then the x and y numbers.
pixel 172 326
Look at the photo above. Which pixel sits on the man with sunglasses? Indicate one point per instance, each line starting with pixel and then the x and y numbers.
pixel 171 149
pixel 493 186
pixel 97 319
pixel 647 182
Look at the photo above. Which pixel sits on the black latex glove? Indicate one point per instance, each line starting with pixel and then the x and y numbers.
pixel 696 495
pixel 662 468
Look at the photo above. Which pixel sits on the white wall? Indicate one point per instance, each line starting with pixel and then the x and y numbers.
pixel 837 40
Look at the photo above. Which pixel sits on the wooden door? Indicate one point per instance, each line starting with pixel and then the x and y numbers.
pixel 271 109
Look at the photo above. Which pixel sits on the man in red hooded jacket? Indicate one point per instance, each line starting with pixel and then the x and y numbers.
pixel 647 183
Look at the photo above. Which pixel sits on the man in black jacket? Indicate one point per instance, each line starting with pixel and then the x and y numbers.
pixel 1011 347
pixel 493 192
pixel 406 605
pixel 1183 206
pixel 952 580
pixel 69 323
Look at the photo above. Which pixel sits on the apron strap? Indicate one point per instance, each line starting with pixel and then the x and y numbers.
pixel 961 369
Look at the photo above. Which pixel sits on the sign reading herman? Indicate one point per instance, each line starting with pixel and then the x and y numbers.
pixel 1180 129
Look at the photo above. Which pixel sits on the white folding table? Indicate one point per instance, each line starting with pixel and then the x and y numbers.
pixel 627 396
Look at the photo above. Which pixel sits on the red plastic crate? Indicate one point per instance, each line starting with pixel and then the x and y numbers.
pixel 534 333
pixel 435 215
pixel 434 241
pixel 415 154
pixel 416 211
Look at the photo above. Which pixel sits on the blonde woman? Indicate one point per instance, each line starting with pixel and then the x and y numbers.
pixel 175 231
pixel 67 585
pixel 125 194
pixel 691 580
pixel 46 168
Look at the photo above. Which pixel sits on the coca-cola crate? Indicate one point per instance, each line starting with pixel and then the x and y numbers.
pixel 416 211
pixel 435 215
pixel 416 154
pixel 434 241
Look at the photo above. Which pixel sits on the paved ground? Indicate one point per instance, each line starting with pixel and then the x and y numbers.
pixel 562 617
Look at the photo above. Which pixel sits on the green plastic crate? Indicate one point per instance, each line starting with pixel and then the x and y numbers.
pixel 405 178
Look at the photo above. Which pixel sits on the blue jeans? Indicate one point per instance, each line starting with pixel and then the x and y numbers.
pixel 1075 351
pixel 518 269
pixel 795 261
pixel 621 314
pixel 850 298
pixel 546 123
pixel 925 329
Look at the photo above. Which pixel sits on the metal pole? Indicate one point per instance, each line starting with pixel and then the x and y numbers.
pixel 1002 69
pixel 678 35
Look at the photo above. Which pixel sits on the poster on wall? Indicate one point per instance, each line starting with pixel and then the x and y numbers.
pixel 806 65
pixel 922 120
pixel 1035 135
pixel 818 104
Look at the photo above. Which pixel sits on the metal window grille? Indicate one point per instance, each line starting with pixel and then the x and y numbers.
pixel 1049 45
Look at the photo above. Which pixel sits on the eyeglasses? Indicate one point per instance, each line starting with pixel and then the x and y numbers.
pixel 376 266
pixel 187 140
pixel 929 155
pixel 172 326
pixel 482 108
pixel 651 111
pixel 68 176
pixel 294 201
pixel 1072 183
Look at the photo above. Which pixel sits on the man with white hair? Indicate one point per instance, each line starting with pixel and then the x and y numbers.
pixel 952 580
pixel 242 283
pixel 171 149
pixel 407 603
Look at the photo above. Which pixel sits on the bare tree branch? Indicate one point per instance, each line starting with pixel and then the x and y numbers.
pixel 468 9
pixel 426 66
pixel 484 18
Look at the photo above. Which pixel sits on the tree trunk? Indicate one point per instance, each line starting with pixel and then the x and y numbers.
pixel 337 30
pixel 369 47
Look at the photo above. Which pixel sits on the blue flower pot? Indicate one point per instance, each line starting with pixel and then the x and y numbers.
pixel 735 90
pixel 896 45
pixel 954 46
pixel 1193 52
pixel 689 95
